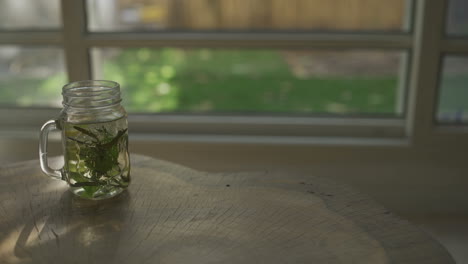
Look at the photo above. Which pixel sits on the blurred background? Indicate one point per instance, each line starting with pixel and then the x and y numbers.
pixel 308 81
pixel 410 156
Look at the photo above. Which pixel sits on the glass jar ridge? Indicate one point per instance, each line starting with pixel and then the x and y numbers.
pixel 91 94
pixel 91 101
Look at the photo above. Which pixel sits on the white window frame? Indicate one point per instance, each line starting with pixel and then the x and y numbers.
pixel 425 44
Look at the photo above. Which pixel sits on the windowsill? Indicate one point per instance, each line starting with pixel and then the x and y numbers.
pixel 22 119
pixel 271 140
pixel 30 134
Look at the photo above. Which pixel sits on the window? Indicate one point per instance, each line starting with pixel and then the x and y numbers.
pixel 372 68
pixel 29 14
pixel 247 15
pixel 457 19
pixel 453 95
pixel 31 76
pixel 254 81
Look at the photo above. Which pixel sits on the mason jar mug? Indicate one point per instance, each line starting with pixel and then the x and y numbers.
pixel 94 134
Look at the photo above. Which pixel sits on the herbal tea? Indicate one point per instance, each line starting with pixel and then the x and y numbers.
pixel 97 162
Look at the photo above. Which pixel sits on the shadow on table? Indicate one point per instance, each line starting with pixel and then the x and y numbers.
pixel 73 228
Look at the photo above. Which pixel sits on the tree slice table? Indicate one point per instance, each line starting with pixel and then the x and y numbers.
pixel 173 214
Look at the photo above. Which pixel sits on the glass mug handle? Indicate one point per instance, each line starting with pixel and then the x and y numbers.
pixel 43 139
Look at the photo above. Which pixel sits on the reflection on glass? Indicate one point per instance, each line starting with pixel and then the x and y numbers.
pixel 457 17
pixel 31 76
pixel 125 15
pixel 29 14
pixel 453 94
pixel 253 81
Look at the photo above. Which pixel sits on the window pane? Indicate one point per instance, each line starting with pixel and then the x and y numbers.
pixel 31 76
pixel 29 14
pixel 453 95
pixel 362 15
pixel 457 18
pixel 253 81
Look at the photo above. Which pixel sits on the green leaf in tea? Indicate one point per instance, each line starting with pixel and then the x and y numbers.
pixel 94 153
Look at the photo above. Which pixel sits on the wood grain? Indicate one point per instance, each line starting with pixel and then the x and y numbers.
pixel 173 214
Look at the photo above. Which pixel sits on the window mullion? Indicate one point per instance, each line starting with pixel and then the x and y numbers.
pixel 455 46
pixel 31 38
pixel 250 40
pixel 76 52
pixel 429 26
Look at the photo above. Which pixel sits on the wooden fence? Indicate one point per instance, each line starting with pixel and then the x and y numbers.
pixel 272 14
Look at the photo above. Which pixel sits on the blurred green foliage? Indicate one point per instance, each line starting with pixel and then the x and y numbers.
pixel 202 80
pixel 454 93
pixel 32 91
pixel 211 80
pixel 452 99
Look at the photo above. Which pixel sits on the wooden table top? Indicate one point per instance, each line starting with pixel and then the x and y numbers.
pixel 173 214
